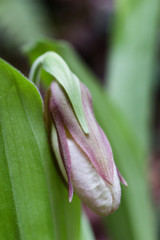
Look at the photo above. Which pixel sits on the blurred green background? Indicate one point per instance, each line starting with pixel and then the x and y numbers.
pixel 113 46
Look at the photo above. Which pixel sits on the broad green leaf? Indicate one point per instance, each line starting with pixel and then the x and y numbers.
pixel 135 218
pixel 8 223
pixel 34 202
pixel 132 61
pixel 52 63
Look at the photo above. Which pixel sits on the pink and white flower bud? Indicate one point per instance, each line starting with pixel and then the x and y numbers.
pixel 86 161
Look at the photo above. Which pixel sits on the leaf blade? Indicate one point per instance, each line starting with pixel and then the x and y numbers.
pixel 127 149
pixel 39 194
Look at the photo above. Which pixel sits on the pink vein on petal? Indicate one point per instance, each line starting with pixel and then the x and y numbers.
pixel 63 145
pixel 109 154
pixel 123 181
pixel 93 143
pixel 86 142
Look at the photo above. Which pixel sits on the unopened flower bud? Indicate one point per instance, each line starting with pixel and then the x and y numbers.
pixel 85 160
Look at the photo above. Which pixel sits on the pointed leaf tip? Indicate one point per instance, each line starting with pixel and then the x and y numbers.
pixel 54 64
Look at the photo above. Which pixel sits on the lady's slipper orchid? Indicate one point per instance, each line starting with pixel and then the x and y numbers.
pixel 85 160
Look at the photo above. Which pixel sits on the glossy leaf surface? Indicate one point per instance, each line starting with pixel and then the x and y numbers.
pixel 33 203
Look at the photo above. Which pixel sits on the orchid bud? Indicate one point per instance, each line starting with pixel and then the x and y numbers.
pixel 85 160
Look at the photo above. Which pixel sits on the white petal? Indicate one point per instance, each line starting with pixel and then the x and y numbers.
pixel 100 196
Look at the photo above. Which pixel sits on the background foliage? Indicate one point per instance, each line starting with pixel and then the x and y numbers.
pixel 123 106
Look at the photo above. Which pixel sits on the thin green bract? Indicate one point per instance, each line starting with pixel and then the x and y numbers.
pixel 52 63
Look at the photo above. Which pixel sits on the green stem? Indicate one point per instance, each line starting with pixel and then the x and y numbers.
pixel 35 71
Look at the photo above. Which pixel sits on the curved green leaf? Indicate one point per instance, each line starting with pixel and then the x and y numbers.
pixel 33 203
pixel 52 63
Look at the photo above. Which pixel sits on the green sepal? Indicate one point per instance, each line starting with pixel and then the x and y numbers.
pixel 52 63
